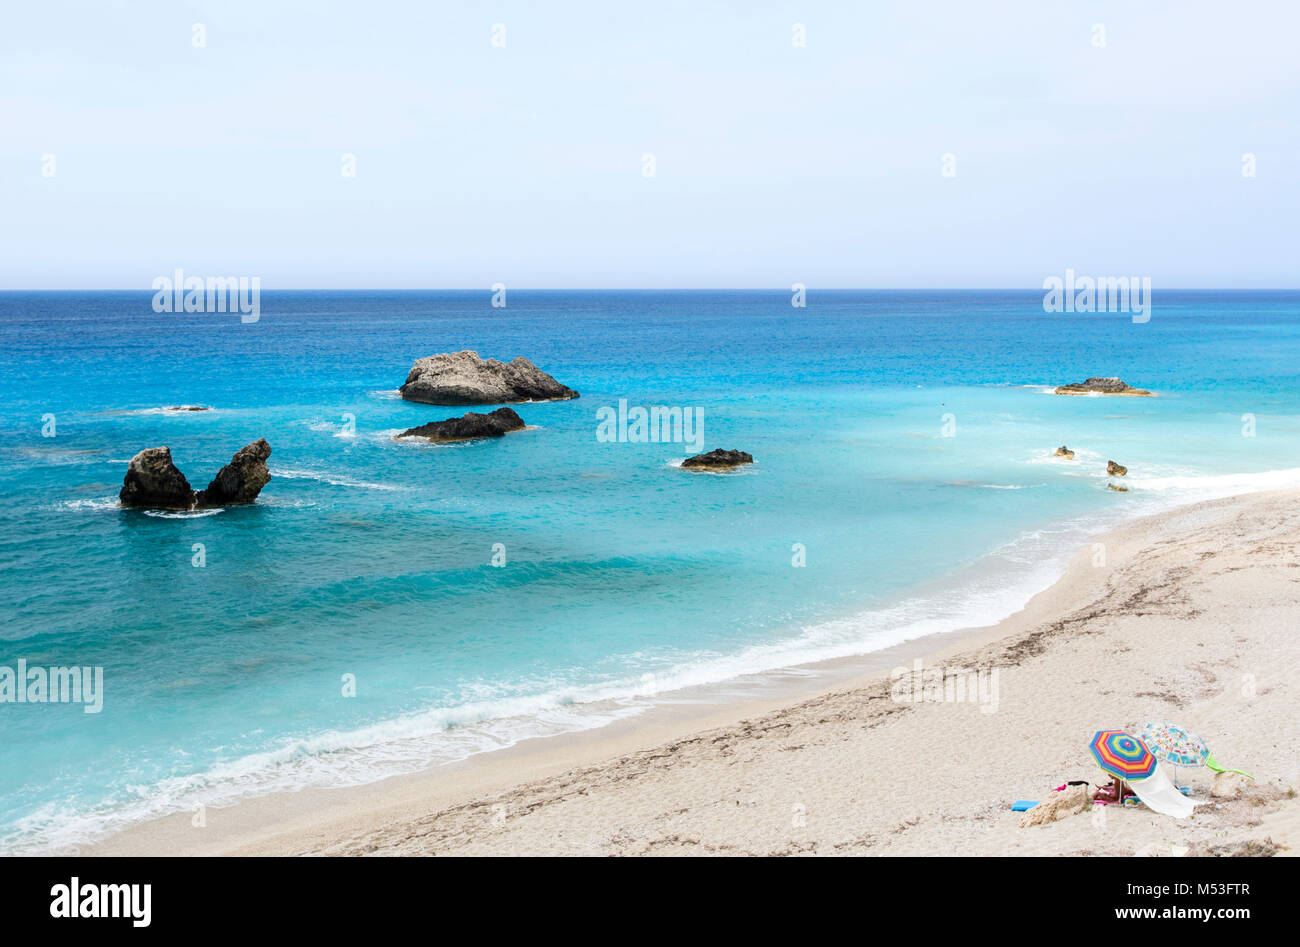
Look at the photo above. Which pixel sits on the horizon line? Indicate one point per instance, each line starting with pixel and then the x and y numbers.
pixel 650 289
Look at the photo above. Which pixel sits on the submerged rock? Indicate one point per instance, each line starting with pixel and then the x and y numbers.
pixel 186 407
pixel 462 378
pixel 1117 489
pixel 470 427
pixel 1103 386
pixel 718 460
pixel 1116 470
pixel 1065 452
pixel 152 480
pixel 241 480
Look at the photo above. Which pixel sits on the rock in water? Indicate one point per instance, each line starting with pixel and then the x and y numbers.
pixel 718 460
pixel 1116 470
pixel 1065 452
pixel 462 378
pixel 240 480
pixel 152 480
pixel 1117 489
pixel 1103 386
pixel 469 427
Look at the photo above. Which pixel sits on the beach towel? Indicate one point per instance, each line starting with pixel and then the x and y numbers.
pixel 1159 794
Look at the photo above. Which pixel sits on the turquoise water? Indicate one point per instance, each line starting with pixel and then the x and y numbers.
pixel 624 576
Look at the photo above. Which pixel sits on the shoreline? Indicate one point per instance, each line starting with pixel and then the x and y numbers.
pixel 792 668
pixel 364 818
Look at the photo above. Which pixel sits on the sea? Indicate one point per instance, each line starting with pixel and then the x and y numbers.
pixel 389 605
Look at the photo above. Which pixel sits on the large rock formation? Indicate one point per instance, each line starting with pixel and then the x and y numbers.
pixel 1102 386
pixel 1116 470
pixel 1065 452
pixel 718 460
pixel 495 424
pixel 462 378
pixel 241 480
pixel 153 481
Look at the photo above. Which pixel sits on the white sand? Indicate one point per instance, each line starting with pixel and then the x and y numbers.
pixel 1193 618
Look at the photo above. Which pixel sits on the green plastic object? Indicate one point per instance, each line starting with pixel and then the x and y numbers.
pixel 1213 764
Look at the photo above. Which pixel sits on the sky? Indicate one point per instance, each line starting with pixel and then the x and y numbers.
pixel 129 149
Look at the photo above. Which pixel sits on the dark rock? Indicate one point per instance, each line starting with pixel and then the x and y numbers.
pixel 1104 386
pixel 241 480
pixel 1116 470
pixel 152 480
pixel 186 407
pixel 462 378
pixel 1065 452
pixel 718 460
pixel 473 425
pixel 1117 489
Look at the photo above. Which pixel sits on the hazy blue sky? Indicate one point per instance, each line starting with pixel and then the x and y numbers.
pixel 774 163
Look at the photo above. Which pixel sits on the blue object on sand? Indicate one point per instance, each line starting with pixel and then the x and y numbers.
pixel 1020 805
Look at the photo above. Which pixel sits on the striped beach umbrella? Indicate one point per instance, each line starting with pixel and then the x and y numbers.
pixel 1122 755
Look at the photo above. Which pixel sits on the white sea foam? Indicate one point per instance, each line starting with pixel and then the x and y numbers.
pixel 285 503
pixel 737 471
pixel 92 504
pixel 1215 486
pixel 333 428
pixel 182 410
pixel 112 504
pixel 403 744
pixel 1051 390
pixel 62 456
pixel 336 480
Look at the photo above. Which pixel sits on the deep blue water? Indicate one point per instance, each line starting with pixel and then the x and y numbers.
pixel 624 575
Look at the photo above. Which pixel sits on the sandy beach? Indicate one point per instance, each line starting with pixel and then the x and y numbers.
pixel 1188 616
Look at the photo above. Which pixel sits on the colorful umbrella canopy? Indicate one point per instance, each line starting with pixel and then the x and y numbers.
pixel 1175 745
pixel 1122 754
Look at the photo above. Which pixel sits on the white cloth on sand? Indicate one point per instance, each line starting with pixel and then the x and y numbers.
pixel 1161 795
